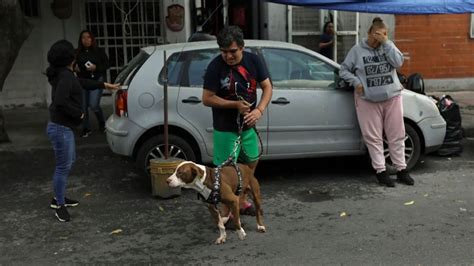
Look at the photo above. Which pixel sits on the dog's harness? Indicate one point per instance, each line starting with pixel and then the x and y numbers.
pixel 214 196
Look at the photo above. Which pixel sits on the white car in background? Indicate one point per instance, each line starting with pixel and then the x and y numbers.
pixel 307 116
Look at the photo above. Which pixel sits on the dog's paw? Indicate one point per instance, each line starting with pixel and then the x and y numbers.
pixel 241 233
pixel 220 240
pixel 261 228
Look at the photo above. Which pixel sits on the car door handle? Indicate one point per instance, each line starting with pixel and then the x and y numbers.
pixel 281 101
pixel 191 99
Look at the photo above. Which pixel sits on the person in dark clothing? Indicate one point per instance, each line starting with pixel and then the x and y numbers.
pixel 326 42
pixel 92 63
pixel 230 88
pixel 65 114
pixel 203 35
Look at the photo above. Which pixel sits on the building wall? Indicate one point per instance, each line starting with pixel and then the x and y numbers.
pixel 274 22
pixel 437 46
pixel 26 85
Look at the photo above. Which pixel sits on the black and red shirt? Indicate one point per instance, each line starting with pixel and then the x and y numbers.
pixel 234 83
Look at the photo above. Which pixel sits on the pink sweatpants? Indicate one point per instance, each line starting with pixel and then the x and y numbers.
pixel 375 119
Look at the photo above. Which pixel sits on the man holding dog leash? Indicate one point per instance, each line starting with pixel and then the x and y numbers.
pixel 230 88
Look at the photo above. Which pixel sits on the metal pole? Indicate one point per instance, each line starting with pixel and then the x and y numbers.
pixel 165 105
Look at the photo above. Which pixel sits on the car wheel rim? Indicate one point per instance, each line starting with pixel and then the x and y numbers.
pixel 409 149
pixel 159 153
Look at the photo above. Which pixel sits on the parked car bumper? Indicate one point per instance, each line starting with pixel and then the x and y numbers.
pixel 434 130
pixel 119 134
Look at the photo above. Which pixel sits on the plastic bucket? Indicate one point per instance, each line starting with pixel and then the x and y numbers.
pixel 160 170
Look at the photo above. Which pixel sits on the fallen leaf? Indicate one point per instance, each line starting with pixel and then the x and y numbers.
pixel 117 231
pixel 426 195
pixel 87 195
pixel 462 209
pixel 161 209
pixel 409 203
pixel 310 192
pixel 343 214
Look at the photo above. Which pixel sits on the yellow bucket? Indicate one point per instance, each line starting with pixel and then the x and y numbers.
pixel 160 170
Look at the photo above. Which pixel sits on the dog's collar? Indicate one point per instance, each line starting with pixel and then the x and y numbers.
pixel 198 183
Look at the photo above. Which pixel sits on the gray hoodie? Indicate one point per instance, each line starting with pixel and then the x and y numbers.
pixel 375 69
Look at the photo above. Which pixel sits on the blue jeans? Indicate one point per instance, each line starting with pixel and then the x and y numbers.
pixel 62 139
pixel 92 100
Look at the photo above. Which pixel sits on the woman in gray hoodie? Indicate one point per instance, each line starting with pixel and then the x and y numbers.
pixel 370 67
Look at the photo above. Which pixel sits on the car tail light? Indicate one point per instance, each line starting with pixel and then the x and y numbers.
pixel 121 108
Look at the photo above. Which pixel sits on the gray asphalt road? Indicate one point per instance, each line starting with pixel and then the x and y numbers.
pixel 304 203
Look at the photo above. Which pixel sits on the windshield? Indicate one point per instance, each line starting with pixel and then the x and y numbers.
pixel 129 70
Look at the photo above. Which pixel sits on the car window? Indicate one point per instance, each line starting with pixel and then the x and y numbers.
pixel 198 62
pixel 175 63
pixel 294 69
pixel 128 72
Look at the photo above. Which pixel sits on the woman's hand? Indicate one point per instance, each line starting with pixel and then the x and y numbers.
pixel 110 86
pixel 380 36
pixel 252 118
pixel 91 67
pixel 359 89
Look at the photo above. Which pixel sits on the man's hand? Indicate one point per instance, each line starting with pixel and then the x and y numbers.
pixel 359 89
pixel 110 86
pixel 252 118
pixel 243 107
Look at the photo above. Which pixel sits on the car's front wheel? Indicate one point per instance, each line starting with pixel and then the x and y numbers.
pixel 154 148
pixel 412 148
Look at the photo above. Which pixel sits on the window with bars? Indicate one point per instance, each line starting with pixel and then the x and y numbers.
pixel 30 7
pixel 305 28
pixel 472 26
pixel 123 27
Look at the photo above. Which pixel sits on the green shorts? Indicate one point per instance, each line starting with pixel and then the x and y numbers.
pixel 224 143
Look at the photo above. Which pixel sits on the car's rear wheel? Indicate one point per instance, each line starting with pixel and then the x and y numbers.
pixel 412 148
pixel 154 148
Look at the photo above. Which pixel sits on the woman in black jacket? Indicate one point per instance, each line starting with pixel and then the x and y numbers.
pixel 65 114
pixel 92 63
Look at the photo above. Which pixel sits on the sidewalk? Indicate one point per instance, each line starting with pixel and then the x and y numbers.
pixel 26 127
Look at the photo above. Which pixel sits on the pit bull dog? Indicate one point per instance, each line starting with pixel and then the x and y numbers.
pixel 202 179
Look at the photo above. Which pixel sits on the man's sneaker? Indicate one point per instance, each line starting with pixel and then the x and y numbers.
pixel 249 209
pixel 404 177
pixel 62 214
pixel 67 203
pixel 86 133
pixel 384 179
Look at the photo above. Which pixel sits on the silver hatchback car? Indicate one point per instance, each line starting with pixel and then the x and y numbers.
pixel 307 116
